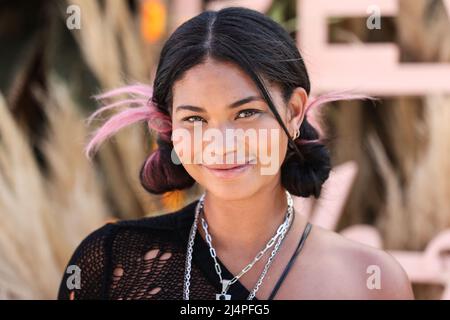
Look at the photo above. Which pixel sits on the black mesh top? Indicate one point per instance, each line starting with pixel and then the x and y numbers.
pixel 145 259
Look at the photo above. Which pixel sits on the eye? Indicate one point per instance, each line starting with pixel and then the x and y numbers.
pixel 248 113
pixel 193 119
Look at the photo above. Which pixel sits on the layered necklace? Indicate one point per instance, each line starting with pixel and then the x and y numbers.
pixel 275 241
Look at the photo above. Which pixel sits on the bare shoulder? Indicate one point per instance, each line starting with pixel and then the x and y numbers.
pixel 334 267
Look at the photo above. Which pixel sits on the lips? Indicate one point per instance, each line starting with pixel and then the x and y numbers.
pixel 228 171
pixel 227 166
pixel 224 166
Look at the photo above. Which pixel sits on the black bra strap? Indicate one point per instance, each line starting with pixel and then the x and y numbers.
pixel 290 263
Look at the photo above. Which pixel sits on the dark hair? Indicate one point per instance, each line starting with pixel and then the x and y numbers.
pixel 265 51
pixel 262 49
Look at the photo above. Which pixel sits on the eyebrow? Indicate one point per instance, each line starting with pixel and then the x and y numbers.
pixel 231 106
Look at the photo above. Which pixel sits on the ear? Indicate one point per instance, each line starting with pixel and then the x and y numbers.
pixel 297 108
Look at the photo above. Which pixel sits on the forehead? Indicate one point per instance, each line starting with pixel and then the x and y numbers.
pixel 213 81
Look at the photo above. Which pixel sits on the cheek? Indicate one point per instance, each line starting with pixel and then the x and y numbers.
pixel 272 147
pixel 283 143
pixel 195 172
pixel 184 147
pixel 183 144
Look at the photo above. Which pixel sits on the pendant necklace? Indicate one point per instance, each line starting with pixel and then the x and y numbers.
pixel 226 283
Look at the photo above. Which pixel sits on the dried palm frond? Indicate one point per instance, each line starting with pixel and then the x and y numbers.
pixel 27 262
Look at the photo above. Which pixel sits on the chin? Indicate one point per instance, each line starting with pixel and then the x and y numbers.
pixel 232 191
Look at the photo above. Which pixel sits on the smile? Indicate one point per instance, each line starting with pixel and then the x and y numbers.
pixel 228 171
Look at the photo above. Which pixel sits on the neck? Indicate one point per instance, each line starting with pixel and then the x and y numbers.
pixel 244 224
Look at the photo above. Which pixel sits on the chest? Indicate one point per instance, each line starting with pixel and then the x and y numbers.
pixel 288 286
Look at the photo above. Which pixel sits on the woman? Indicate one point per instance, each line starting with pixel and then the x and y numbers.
pixel 234 70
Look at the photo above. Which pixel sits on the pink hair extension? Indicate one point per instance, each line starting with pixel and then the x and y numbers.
pixel 320 100
pixel 114 105
pixel 145 110
pixel 161 122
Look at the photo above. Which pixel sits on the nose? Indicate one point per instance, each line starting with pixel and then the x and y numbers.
pixel 225 147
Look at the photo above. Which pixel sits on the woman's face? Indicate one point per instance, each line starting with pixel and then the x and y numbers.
pixel 220 121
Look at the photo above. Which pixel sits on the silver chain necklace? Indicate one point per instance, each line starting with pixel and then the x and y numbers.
pixel 280 234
